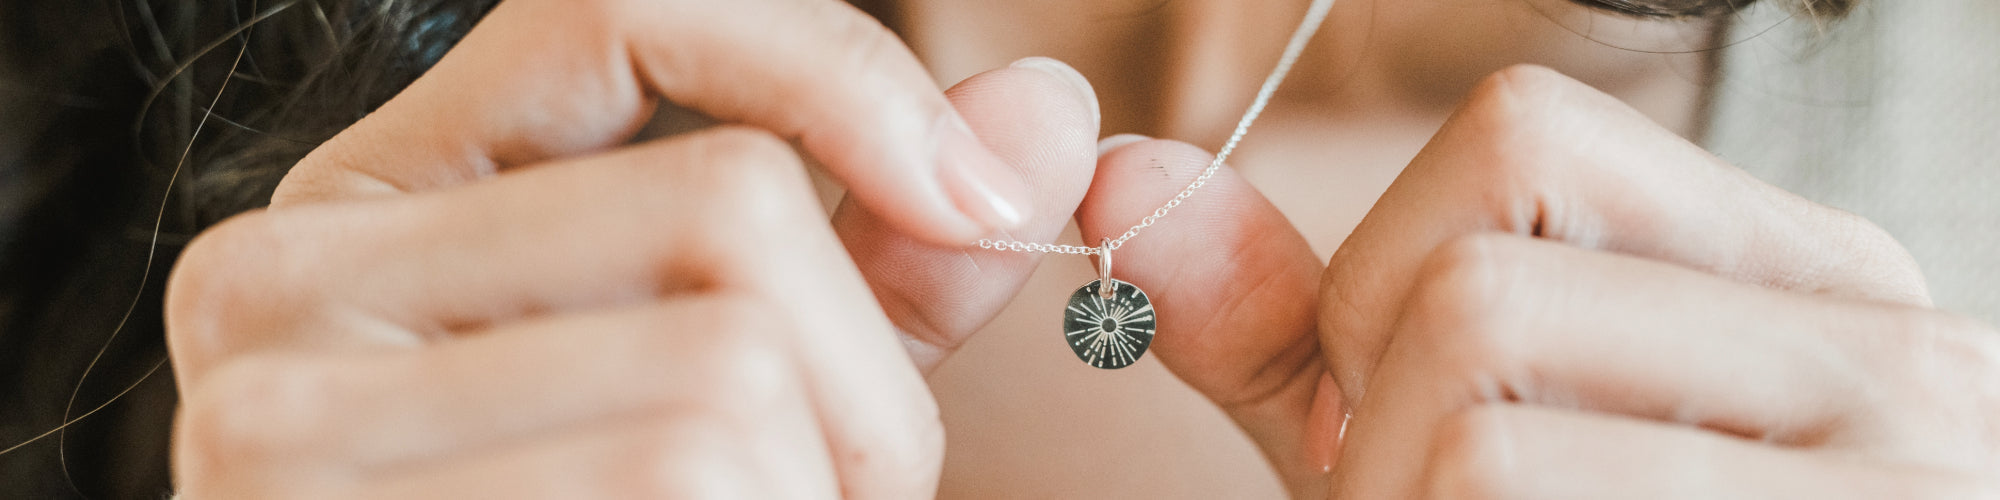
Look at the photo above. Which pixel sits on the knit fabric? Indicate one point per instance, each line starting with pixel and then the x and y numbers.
pixel 1892 113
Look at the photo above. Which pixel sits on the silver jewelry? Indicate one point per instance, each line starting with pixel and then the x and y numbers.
pixel 1110 323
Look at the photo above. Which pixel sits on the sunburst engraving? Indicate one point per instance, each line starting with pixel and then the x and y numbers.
pixel 1109 333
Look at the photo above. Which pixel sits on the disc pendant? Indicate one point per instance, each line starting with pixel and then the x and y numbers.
pixel 1111 330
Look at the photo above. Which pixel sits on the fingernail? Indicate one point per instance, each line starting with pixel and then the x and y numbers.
pixel 980 184
pixel 1109 144
pixel 1068 75
pixel 1326 426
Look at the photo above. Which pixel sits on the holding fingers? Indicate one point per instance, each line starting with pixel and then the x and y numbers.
pixel 1746 343
pixel 543 79
pixel 1585 268
pixel 471 292
pixel 1520 364
pixel 1241 283
pixel 1534 153
pixel 663 316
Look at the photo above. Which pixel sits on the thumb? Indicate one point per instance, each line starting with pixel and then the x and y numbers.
pixel 1234 287
pixel 1040 117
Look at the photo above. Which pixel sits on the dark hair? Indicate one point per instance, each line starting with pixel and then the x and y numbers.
pixel 1813 9
pixel 99 99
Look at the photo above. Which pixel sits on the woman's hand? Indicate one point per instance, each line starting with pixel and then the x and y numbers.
pixel 1558 299
pixel 1603 310
pixel 541 79
pixel 670 319
pixel 476 293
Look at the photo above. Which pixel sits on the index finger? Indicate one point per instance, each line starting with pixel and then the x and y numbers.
pixel 1537 154
pixel 540 79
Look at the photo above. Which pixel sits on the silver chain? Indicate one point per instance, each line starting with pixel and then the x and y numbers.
pixel 1315 14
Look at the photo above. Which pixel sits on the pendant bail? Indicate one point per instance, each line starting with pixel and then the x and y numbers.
pixel 1104 286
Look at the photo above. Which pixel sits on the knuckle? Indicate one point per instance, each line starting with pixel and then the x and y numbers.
pixel 1946 357
pixel 674 459
pixel 908 444
pixel 1519 98
pixel 231 275
pixel 1511 142
pixel 746 370
pixel 1530 100
pixel 922 449
pixel 255 408
pixel 1526 119
pixel 1523 84
pixel 902 438
pixel 862 40
pixel 1892 269
pixel 751 149
pixel 1468 302
pixel 1908 357
pixel 211 263
pixel 1471 454
pixel 758 182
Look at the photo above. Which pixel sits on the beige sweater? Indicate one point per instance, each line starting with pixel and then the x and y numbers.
pixel 1893 114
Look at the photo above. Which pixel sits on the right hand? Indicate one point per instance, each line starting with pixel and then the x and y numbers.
pixel 1252 319
pixel 472 293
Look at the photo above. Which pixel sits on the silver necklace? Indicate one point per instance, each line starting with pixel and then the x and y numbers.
pixel 1110 323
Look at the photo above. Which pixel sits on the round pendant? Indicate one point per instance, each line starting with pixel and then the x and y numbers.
pixel 1109 333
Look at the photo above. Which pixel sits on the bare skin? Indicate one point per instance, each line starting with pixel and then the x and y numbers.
pixel 1376 84
pixel 484 290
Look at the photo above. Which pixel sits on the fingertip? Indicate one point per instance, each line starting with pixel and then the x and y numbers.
pixel 1112 143
pixel 1021 157
pixel 1135 178
pixel 1021 151
pixel 1074 80
pixel 1326 426
pixel 951 193
pixel 1169 161
pixel 980 184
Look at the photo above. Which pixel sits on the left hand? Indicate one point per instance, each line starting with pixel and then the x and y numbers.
pixel 1559 299
pixel 483 280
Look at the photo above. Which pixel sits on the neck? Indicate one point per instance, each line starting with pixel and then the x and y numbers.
pixel 1405 63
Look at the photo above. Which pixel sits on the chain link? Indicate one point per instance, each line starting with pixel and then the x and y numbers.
pixel 1021 246
pixel 1314 16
